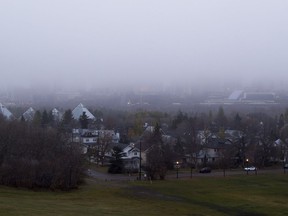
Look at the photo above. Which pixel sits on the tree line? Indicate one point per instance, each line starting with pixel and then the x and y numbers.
pixel 35 157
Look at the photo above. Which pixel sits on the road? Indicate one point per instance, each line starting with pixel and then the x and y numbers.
pixel 110 177
pixel 221 173
pixel 181 174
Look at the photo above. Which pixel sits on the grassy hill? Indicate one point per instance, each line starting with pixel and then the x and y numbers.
pixel 238 195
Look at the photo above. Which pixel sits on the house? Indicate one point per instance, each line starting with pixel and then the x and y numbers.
pixel 88 137
pixel 96 143
pixel 212 145
pixel 57 115
pixel 85 136
pixel 282 149
pixel 115 137
pixel 5 112
pixel 91 136
pixel 79 110
pixel 129 154
pixel 209 154
pixel 131 158
pixel 29 114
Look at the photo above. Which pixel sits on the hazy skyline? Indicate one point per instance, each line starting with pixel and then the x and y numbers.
pixel 109 43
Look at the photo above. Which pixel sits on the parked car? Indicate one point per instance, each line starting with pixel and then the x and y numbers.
pixel 286 166
pixel 205 170
pixel 251 168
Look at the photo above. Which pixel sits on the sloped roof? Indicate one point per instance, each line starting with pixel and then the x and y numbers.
pixel 56 114
pixel 5 112
pixel 236 95
pixel 29 114
pixel 78 111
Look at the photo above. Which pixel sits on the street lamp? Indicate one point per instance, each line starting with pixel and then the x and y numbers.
pixel 177 168
pixel 247 161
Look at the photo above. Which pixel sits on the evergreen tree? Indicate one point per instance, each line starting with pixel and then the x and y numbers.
pixel 116 164
pixel 281 121
pixel 37 119
pixel 51 119
pixel 84 121
pixel 44 119
pixel 22 119
pixel 67 117
pixel 221 118
pixel 237 122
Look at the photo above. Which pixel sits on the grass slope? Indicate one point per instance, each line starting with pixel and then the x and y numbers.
pixel 238 195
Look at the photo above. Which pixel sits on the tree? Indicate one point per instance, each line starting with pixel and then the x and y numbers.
pixel 286 116
pixel 157 160
pixel 22 119
pixel 37 118
pixel 116 163
pixel 103 141
pixel 281 121
pixel 226 154
pixel 67 117
pixel 44 119
pixel 84 121
pixel 221 119
pixel 179 119
pixel 237 122
pixel 179 148
pixel 32 157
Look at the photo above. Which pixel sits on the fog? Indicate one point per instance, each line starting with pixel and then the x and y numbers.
pixel 91 43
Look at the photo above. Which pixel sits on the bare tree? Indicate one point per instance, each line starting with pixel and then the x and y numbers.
pixel 31 156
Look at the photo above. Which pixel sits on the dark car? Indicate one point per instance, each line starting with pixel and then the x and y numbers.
pixel 285 166
pixel 205 170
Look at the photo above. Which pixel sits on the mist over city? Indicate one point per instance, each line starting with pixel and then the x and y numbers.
pixel 74 45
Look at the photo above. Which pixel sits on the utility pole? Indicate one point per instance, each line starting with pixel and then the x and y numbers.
pixel 140 162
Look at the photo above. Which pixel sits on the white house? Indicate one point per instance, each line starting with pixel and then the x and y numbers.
pixel 57 115
pixel 129 154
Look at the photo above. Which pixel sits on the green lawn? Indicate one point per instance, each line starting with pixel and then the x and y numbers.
pixel 238 195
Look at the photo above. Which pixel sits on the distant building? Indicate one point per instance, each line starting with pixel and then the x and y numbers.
pixel 29 114
pixel 236 95
pixel 130 156
pixel 79 110
pixel 5 112
pixel 57 116
pixel 242 97
pixel 259 96
pixel 91 137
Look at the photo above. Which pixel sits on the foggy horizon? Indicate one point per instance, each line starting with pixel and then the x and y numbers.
pixel 90 44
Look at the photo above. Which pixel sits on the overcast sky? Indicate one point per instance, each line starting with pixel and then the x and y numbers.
pixel 110 42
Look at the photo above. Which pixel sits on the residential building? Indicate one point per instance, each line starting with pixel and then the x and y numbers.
pixel 79 110
pixel 5 112
pixel 29 114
